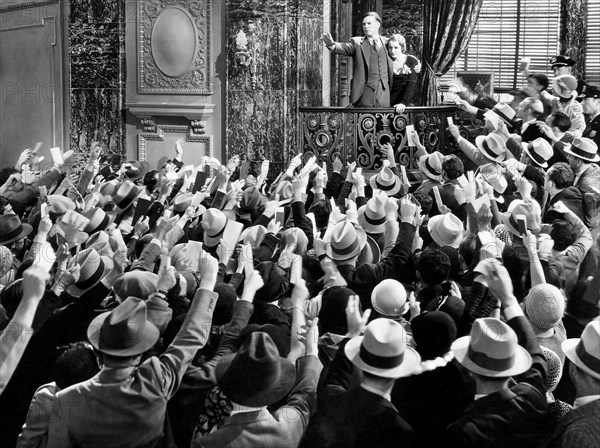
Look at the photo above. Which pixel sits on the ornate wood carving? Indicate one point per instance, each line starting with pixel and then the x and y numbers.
pixel 170 61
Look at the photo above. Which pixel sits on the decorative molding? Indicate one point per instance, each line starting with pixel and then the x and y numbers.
pixel 159 135
pixel 167 75
pixel 27 5
pixel 189 111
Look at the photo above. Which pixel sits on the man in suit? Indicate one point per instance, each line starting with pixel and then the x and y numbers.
pixel 559 185
pixel 372 67
pixel 579 428
pixel 501 416
pixel 363 415
pixel 583 159
pixel 125 404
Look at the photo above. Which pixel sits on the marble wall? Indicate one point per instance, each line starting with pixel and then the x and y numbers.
pixel 273 64
pixel 97 61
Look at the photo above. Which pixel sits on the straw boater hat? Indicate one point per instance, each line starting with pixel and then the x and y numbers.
pixel 539 151
pixel 584 352
pixel 492 147
pixel 59 205
pixel 492 350
pixel 583 148
pixel 371 216
pixel 99 220
pixel 125 195
pixel 93 268
pixel 386 181
pixel 136 170
pixel 256 375
pixel 124 331
pixel 446 230
pixel 12 229
pixel 518 207
pixel 346 242
pixel 505 112
pixel 564 85
pixel 213 223
pixel 254 235
pixel 431 165
pixel 285 191
pixel 382 351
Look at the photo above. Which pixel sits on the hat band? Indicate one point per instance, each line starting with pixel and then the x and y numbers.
pixel 346 250
pixel 431 169
pixel 536 157
pixel 94 278
pixel 127 199
pixel 488 149
pixel 102 225
pixel 581 152
pixel 502 115
pixel 380 362
pixel 513 222
pixel 14 233
pixel 591 362
pixel 385 187
pixel 484 361
pixel 374 221
pixel 219 233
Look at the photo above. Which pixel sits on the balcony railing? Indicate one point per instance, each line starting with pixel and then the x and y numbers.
pixel 357 134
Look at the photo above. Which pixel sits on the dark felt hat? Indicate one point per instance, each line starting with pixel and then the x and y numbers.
pixel 332 317
pixel 277 335
pixel 433 333
pixel 276 282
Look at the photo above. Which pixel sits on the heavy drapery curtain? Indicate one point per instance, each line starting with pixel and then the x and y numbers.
pixel 448 26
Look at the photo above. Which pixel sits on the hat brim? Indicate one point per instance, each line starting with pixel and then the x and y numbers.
pixel 526 149
pixel 144 168
pixel 366 226
pixel 238 392
pixel 25 230
pixel 375 249
pixel 435 235
pixel 504 219
pixel 391 192
pixel 479 142
pixel 569 347
pixel 596 158
pixel 362 240
pixel 145 344
pixel 108 266
pixel 522 362
pixel 410 363
pixel 425 171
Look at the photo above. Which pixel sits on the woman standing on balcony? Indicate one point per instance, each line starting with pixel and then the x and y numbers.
pixel 406 68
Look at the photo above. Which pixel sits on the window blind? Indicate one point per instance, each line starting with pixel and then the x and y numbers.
pixel 592 58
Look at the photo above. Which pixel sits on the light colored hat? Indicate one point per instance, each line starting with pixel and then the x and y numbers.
pixel 503 234
pixel 583 148
pixel 182 202
pixel 492 350
pixel 347 240
pixel 389 298
pixel 386 181
pixel 6 260
pixel 539 151
pixel 544 306
pixel 504 111
pixel 492 147
pixel 564 85
pixel 382 351
pixel 371 216
pixel 93 268
pixel 446 230
pixel 213 223
pixel 98 237
pixel 125 195
pixel 285 190
pixel 99 220
pixel 493 175
pixel 584 352
pixel 254 235
pixel 124 331
pixel 518 207
pixel 298 234
pixel 431 165
pixel 59 204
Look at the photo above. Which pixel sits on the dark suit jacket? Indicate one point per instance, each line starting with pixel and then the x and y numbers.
pixel 510 418
pixel 356 49
pixel 349 418
pixel 571 197
pixel 578 429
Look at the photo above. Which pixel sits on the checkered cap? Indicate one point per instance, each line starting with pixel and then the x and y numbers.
pixel 553 369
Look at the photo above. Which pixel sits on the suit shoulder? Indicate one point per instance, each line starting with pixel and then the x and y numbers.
pixel 357 40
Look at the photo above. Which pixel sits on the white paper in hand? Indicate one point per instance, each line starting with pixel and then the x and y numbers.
pixel 46 256
pixel 296 270
pixel 56 156
pixel 410 129
pixel 75 220
pixel 193 251
pixel 231 235
pixel 477 203
pixel 493 118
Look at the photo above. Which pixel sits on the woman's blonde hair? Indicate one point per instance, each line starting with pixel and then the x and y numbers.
pixel 400 39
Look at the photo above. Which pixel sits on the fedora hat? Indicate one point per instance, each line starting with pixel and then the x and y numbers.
pixel 346 241
pixel 59 205
pixel 256 375
pixel 584 352
pixel 583 148
pixel 491 146
pixel 446 230
pixel 99 237
pixel 93 268
pixel 99 220
pixel 103 249
pixel 564 85
pixel 136 170
pixel 69 234
pixel 389 298
pixel 12 229
pixel 135 283
pixel 254 235
pixel 493 175
pixel 371 216
pixel 251 204
pixel 431 165
pixel 539 151
pixel 508 218
pixel 492 350
pixel 386 181
pixel 124 331
pixel 382 351
pixel 182 202
pixel 213 222
pixel 591 92
pixel 285 190
pixel 561 61
pixel 374 251
pixel 125 195
pixel 505 112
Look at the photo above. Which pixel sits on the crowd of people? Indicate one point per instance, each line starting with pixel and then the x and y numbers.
pixel 210 306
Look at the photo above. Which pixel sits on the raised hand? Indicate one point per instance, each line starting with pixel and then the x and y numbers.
pixel 356 321
pixel 253 283
pixel 166 274
pixel 327 39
